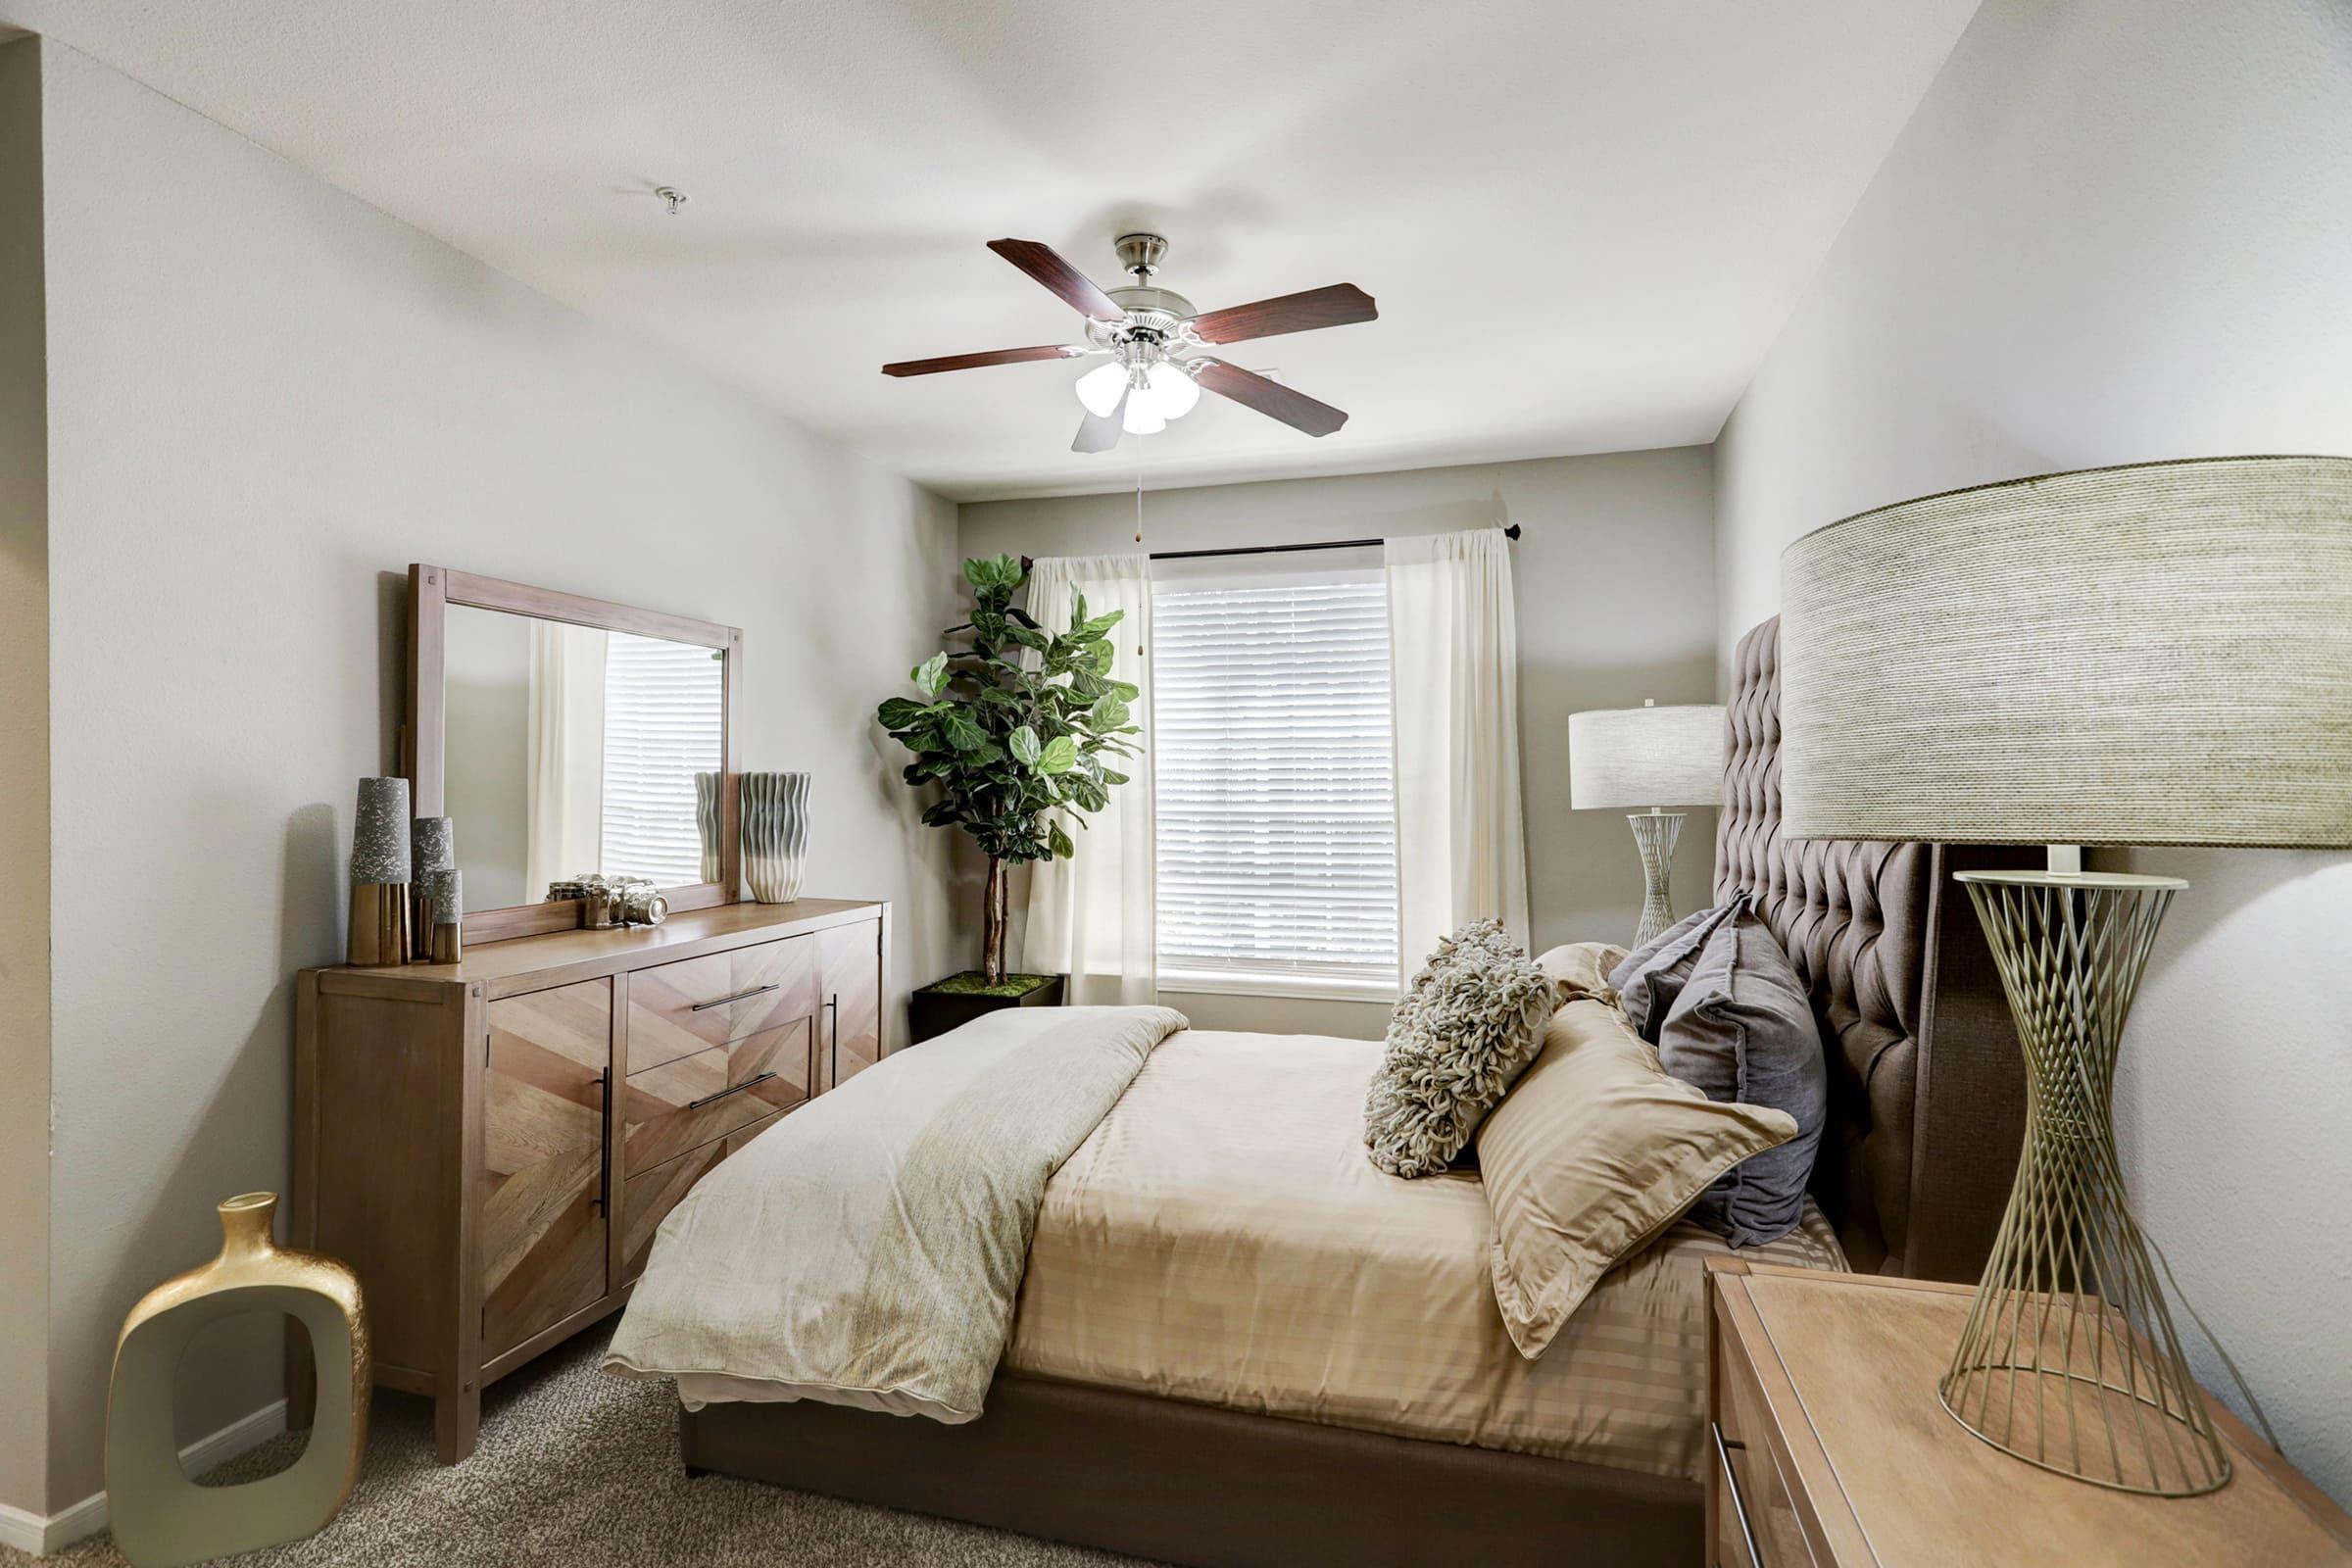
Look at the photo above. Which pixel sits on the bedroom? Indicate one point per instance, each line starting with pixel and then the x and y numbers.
pixel 292 297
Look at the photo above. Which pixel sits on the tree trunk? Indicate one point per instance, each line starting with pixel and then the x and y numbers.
pixel 992 959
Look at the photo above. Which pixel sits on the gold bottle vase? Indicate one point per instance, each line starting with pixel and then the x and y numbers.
pixel 161 1518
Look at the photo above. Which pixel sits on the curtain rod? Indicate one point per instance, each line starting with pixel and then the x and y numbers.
pixel 1511 532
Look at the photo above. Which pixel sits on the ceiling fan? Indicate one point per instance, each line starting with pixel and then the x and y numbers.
pixel 1156 344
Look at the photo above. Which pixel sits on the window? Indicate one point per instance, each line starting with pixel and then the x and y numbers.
pixel 662 725
pixel 1277 837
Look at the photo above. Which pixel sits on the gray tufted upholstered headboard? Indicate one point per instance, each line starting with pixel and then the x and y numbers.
pixel 1927 1089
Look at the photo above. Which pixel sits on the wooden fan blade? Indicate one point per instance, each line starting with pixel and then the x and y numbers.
pixel 1040 262
pixel 972 362
pixel 1269 398
pixel 1100 432
pixel 1336 305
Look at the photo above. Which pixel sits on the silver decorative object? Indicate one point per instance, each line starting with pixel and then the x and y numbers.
pixel 610 901
pixel 708 820
pixel 380 832
pixel 432 847
pixel 775 835
pixel 442 907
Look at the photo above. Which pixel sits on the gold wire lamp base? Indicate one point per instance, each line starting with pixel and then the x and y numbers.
pixel 1654 833
pixel 2068 1360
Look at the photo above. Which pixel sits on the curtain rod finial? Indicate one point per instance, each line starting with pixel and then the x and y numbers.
pixel 1511 532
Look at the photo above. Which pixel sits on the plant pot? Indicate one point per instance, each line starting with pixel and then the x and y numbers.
pixel 932 1011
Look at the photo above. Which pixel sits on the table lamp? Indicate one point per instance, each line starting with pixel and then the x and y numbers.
pixel 2159 654
pixel 1653 757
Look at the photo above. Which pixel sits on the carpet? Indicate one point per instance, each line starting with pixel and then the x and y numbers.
pixel 579 1469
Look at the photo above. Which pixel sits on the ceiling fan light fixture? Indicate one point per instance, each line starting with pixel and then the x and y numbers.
pixel 1172 391
pixel 1102 387
pixel 1142 416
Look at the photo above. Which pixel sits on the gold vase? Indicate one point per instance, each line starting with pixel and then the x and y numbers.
pixel 161 1518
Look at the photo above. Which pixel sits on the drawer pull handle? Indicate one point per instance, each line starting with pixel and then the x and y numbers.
pixel 740 995
pixel 737 1088
pixel 1731 1488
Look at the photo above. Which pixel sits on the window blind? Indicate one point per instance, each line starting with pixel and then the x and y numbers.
pixel 1277 839
pixel 662 724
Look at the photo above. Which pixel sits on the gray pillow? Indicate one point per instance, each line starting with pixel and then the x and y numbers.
pixel 1652 974
pixel 1742 1029
pixel 1469 1026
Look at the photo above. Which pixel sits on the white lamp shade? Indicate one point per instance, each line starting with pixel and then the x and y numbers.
pixel 1102 387
pixel 1174 391
pixel 1643 756
pixel 2159 654
pixel 1142 416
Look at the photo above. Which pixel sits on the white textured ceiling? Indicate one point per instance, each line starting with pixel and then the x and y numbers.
pixel 1584 220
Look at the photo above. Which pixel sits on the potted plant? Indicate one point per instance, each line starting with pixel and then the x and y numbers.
pixel 1017 729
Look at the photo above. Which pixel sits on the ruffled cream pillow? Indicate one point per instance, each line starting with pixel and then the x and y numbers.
pixel 1591 1154
pixel 1462 1035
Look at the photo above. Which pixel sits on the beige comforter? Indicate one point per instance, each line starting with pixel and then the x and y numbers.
pixel 1221 1238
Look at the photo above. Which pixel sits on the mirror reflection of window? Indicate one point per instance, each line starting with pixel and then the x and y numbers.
pixel 572 749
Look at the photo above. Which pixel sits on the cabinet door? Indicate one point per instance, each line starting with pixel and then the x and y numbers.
pixel 543 1217
pixel 849 968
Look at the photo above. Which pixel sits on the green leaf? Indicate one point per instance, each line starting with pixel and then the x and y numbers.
pixel 932 673
pixel 1022 743
pixel 1087 631
pixel 1064 849
pixel 1059 756
pixel 900 711
pixel 960 732
pixel 1110 712
pixel 1101 653
pixel 1110 777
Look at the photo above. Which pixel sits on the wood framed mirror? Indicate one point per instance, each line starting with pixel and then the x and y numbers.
pixel 567 735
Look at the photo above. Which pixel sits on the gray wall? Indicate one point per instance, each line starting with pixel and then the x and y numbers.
pixel 23 790
pixel 2117 230
pixel 1615 587
pixel 266 398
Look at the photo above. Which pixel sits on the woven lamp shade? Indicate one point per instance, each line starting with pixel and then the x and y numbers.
pixel 1641 756
pixel 2159 654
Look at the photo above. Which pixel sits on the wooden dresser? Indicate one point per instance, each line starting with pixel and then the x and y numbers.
pixel 492 1143
pixel 1830 1447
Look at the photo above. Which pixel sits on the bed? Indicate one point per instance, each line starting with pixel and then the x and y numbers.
pixel 1236 1343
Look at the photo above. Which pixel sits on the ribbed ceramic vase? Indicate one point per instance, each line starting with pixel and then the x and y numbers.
pixel 775 835
pixel 159 1516
pixel 707 819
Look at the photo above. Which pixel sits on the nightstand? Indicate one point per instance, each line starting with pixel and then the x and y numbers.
pixel 1830 1447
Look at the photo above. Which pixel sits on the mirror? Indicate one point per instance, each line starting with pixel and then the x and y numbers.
pixel 570 750
pixel 568 737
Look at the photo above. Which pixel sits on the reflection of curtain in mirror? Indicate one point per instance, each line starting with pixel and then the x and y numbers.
pixel 563 757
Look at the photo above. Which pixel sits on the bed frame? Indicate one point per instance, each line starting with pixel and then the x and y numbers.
pixel 1925 1115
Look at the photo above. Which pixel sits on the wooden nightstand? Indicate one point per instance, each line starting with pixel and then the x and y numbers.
pixel 1834 1450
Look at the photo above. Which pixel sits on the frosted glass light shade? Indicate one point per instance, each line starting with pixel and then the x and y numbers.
pixel 1643 756
pixel 1142 416
pixel 2160 653
pixel 1174 391
pixel 1101 388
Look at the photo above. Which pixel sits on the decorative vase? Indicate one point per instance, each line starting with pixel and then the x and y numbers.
pixel 382 921
pixel 707 820
pixel 161 1518
pixel 775 835
pixel 444 907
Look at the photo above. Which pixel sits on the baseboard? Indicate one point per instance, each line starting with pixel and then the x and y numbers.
pixel 31 1532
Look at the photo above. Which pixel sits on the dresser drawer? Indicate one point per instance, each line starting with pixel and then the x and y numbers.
pixel 647 1197
pixel 1754 1499
pixel 685 1104
pixel 677 1010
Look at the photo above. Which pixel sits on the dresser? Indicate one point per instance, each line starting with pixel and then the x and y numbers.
pixel 1829 1448
pixel 492 1144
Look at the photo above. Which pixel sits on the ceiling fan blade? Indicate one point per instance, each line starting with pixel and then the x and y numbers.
pixel 1336 305
pixel 1040 262
pixel 1270 398
pixel 1100 432
pixel 972 362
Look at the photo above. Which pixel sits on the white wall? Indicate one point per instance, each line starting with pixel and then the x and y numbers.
pixel 1615 587
pixel 267 398
pixel 2117 230
pixel 24 791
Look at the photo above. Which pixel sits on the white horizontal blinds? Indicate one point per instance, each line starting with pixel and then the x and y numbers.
pixel 662 724
pixel 1277 840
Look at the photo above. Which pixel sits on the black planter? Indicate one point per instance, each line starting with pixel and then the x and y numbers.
pixel 934 1013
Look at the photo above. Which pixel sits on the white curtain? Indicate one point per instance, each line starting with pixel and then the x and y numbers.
pixel 563 757
pixel 1092 916
pixel 1453 646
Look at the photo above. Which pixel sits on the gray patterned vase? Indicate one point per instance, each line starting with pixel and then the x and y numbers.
pixel 706 823
pixel 775 835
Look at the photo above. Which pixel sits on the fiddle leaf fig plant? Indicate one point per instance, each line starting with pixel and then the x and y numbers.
pixel 1019 728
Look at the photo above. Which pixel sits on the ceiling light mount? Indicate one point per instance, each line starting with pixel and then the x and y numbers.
pixel 675 197
pixel 1140 254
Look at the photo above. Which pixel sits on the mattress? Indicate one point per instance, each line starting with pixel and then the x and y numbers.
pixel 1221 1238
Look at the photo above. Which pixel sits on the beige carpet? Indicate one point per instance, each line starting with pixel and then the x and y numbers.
pixel 577 1469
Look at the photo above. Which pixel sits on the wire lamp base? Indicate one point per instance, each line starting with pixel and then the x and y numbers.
pixel 2068 1360
pixel 1654 833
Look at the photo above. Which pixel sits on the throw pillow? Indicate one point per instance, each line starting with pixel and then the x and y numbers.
pixel 1651 976
pixel 1461 1036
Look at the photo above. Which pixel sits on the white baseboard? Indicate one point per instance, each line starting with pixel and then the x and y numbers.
pixel 31 1532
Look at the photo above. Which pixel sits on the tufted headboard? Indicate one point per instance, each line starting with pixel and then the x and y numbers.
pixel 1927 1089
